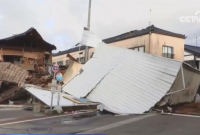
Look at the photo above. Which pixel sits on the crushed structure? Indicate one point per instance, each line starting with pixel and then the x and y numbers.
pixel 12 78
pixel 131 82
pixel 44 96
pixel 25 59
pixel 72 70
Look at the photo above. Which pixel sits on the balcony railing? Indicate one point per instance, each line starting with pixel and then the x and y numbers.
pixel 168 55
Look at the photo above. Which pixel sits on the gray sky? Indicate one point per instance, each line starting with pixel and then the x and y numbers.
pixel 61 22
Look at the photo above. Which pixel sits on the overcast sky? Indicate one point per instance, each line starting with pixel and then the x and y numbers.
pixel 61 22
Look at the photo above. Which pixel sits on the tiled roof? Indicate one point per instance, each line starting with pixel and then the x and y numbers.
pixel 193 49
pixel 136 33
pixel 70 50
pixel 27 37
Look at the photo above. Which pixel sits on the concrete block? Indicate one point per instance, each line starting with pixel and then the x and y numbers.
pixel 36 108
pixel 58 109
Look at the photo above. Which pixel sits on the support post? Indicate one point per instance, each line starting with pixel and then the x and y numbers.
pixel 183 77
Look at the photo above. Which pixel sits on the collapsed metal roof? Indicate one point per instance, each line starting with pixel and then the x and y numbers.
pixel 123 80
pixel 45 97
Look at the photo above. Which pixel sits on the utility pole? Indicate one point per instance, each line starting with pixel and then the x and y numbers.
pixel 150 18
pixel 89 13
pixel 88 26
pixel 150 33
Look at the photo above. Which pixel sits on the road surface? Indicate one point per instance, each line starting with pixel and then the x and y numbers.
pixel 150 124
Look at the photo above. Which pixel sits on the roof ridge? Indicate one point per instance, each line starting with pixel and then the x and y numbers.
pixel 136 33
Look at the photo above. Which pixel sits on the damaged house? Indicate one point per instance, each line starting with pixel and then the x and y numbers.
pixel 25 59
pixel 27 49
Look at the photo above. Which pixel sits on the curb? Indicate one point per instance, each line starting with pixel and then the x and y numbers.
pixel 11 107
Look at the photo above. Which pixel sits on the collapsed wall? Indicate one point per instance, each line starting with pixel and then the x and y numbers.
pixel 184 88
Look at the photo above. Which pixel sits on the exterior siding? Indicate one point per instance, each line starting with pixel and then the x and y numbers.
pixel 134 42
pixel 76 55
pixel 156 42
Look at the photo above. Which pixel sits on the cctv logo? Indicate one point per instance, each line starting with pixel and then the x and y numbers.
pixel 190 19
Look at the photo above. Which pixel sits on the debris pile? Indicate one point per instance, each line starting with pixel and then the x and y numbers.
pixel 188 108
pixel 13 78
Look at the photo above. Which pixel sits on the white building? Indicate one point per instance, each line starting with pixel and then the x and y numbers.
pixel 192 55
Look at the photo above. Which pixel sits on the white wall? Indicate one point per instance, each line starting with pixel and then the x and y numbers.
pixel 187 58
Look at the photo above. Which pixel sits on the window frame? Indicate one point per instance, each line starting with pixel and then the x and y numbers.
pixel 60 62
pixel 167 54
pixel 137 47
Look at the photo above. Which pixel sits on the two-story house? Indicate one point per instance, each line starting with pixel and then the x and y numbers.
pixel 151 40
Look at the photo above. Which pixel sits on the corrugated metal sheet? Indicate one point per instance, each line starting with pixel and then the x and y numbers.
pixel 90 39
pixel 93 71
pixel 45 97
pixel 124 81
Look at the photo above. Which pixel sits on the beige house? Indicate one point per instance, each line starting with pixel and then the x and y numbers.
pixel 77 52
pixel 151 40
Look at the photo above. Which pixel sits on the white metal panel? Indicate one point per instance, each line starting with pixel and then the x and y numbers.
pixel 186 58
pixel 187 53
pixel 90 39
pixel 93 71
pixel 136 83
pixel 45 97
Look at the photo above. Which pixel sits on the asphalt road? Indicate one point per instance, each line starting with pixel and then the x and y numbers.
pixel 12 114
pixel 111 125
pixel 159 125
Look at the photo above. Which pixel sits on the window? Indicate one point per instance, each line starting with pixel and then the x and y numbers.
pixel 81 60
pixel 168 52
pixel 139 48
pixel 60 63
pixel 68 62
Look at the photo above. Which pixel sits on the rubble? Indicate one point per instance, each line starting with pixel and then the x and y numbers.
pixel 73 69
pixel 189 108
pixel 13 78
